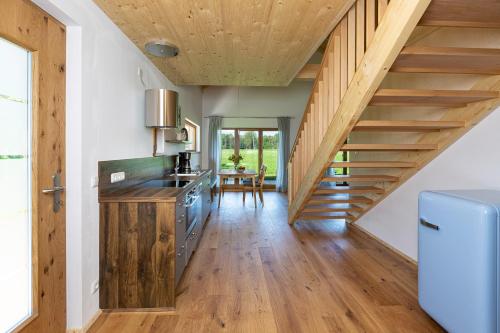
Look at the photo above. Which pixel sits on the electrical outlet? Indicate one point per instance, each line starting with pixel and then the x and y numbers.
pixel 94 181
pixel 94 287
pixel 117 177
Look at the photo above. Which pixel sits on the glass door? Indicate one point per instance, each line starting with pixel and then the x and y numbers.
pixel 227 149
pixel 16 242
pixel 249 149
pixel 32 169
pixel 228 140
pixel 270 140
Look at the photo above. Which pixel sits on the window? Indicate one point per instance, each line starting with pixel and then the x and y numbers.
pixel 257 146
pixel 227 148
pixel 193 135
pixel 16 287
pixel 270 140
pixel 249 149
pixel 342 156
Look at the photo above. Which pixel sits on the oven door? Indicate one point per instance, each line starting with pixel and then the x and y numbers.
pixel 193 211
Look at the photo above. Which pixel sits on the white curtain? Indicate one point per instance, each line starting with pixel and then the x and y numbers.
pixel 214 146
pixel 283 154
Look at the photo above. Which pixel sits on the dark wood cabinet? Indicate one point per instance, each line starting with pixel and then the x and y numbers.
pixel 145 245
pixel 137 255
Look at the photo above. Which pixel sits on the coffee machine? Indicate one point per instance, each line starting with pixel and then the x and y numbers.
pixel 184 162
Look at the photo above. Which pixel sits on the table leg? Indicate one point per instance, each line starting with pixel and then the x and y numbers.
pixel 220 188
pixel 253 190
pixel 243 190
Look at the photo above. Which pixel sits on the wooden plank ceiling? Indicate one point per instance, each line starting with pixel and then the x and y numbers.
pixel 237 42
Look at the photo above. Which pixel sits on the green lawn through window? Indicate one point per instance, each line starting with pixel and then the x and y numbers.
pixel 251 160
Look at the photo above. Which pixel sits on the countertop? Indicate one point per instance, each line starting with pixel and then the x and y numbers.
pixel 142 193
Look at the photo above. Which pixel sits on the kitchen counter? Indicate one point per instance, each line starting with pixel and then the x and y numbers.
pixel 145 193
pixel 147 232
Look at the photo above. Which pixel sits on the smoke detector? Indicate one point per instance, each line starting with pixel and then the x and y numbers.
pixel 162 49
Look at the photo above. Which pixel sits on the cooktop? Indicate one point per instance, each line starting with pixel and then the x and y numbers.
pixel 166 183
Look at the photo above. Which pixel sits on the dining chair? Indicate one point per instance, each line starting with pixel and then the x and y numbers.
pixel 247 184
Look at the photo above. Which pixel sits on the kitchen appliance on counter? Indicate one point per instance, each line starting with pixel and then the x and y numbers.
pixel 161 108
pixel 459 259
pixel 184 162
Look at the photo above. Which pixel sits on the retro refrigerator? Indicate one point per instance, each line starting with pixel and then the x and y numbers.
pixel 458 259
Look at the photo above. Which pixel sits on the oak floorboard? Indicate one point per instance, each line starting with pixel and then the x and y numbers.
pixel 252 272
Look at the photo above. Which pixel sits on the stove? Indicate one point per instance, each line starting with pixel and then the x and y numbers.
pixel 166 183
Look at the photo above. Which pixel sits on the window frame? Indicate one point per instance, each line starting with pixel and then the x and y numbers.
pixel 195 138
pixel 260 131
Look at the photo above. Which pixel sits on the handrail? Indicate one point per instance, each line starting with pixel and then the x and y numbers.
pixel 377 9
pixel 311 95
pixel 348 40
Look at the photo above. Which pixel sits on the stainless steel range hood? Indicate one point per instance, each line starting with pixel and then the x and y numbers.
pixel 161 108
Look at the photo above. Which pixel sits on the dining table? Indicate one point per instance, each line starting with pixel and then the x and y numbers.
pixel 237 174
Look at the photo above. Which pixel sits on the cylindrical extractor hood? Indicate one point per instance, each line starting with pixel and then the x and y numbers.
pixel 161 108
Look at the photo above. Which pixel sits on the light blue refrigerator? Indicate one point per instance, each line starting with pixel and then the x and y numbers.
pixel 458 259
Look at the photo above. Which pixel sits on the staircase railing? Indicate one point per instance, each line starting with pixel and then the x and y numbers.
pixel 359 53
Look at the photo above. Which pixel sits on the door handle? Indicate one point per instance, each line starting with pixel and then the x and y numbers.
pixel 427 224
pixel 56 191
pixel 52 190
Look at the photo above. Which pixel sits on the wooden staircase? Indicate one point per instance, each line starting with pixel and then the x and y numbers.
pixel 399 82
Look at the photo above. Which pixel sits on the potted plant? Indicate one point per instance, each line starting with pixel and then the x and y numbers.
pixel 236 159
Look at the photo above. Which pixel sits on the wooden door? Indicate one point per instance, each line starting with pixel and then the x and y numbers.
pixel 28 31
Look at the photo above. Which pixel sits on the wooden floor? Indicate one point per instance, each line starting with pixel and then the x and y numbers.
pixel 254 273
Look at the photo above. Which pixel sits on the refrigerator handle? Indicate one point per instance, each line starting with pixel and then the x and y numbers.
pixel 428 224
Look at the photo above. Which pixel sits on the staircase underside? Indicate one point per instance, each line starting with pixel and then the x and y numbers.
pixel 440 84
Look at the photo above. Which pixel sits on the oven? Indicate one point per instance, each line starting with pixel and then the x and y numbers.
pixel 193 204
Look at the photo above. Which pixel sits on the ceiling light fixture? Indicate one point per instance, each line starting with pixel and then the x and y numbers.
pixel 162 49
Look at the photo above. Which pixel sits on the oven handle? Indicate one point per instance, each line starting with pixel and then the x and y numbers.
pixel 193 201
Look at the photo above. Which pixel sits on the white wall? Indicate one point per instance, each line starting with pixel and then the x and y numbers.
pixel 105 121
pixel 254 102
pixel 473 162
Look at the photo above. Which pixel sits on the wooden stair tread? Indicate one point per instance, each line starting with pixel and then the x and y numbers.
pixel 346 216
pixel 374 164
pixel 347 189
pixel 387 147
pixel 452 60
pixel 332 209
pixel 425 97
pixel 462 13
pixel 348 200
pixel 406 125
pixel 362 178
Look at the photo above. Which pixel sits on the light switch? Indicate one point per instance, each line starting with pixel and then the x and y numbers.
pixel 94 287
pixel 94 181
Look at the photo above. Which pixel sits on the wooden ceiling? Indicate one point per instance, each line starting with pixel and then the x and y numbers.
pixel 229 42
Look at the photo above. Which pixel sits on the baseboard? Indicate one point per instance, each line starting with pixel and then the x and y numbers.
pixel 388 246
pixel 87 326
